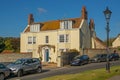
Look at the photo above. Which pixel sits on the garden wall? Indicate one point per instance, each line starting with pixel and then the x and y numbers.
pixel 10 57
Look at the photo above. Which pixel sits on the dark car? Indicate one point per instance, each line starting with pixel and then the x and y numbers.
pixel 4 72
pixel 80 60
pixel 24 65
pixel 114 56
pixel 99 58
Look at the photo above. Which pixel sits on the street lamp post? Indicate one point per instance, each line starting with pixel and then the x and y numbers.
pixel 107 14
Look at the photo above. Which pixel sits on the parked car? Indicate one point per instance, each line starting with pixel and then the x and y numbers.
pixel 24 65
pixel 99 58
pixel 80 60
pixel 4 72
pixel 114 56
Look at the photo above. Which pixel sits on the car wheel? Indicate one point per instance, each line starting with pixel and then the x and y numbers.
pixel 39 69
pixel 80 64
pixel 2 76
pixel 113 59
pixel 20 73
pixel 98 61
pixel 89 62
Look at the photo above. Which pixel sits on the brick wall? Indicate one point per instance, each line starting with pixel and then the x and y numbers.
pixel 13 56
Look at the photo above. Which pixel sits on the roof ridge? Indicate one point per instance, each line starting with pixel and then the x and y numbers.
pixel 56 20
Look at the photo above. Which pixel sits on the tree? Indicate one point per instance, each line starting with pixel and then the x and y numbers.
pixel 8 45
pixel 2 45
pixel 15 42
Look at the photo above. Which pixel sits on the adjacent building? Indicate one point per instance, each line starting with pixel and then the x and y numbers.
pixel 116 42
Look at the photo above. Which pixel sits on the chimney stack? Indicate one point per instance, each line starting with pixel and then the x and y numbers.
pixel 84 13
pixel 30 19
pixel 91 24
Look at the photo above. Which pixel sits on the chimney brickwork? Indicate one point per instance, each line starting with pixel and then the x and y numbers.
pixel 84 13
pixel 30 19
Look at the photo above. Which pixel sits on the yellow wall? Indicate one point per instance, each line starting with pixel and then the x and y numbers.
pixel 116 42
pixel 74 42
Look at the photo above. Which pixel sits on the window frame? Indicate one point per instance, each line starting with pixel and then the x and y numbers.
pixel 66 24
pixel 46 39
pixel 29 40
pixel 34 40
pixel 63 38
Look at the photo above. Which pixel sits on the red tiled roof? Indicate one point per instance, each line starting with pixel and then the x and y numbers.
pixel 55 24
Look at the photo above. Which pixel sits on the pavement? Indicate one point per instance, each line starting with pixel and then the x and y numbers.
pixel 47 65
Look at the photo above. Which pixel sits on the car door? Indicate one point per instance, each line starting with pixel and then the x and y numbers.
pixel 36 63
pixel 28 65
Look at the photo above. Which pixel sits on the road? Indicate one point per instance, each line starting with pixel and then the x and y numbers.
pixel 63 70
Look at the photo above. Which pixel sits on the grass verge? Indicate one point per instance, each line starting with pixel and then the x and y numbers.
pixel 98 74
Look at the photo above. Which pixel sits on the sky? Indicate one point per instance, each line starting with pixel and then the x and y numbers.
pixel 14 14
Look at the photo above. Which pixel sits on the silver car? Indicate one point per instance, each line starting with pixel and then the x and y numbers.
pixel 4 71
pixel 21 66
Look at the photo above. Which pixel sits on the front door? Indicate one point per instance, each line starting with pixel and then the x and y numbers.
pixel 46 55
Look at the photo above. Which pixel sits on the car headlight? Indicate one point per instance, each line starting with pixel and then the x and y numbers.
pixel 13 69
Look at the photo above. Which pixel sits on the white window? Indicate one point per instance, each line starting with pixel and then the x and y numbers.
pixel 63 38
pixel 31 40
pixel 34 40
pixel 29 50
pixel 66 24
pixel 64 50
pixel 67 37
pixel 61 50
pixel 46 39
pixel 35 28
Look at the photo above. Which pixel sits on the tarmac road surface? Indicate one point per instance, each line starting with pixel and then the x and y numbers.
pixel 48 72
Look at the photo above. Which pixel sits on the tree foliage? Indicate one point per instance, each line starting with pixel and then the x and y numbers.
pixel 10 43
pixel 2 45
pixel 15 42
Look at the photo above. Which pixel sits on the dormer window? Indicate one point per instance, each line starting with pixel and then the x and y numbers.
pixel 66 24
pixel 35 28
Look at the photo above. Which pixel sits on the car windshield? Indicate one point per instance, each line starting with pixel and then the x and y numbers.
pixel 80 57
pixel 2 66
pixel 98 55
pixel 77 57
pixel 19 61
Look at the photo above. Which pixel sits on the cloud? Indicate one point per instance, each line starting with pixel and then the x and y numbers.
pixel 41 10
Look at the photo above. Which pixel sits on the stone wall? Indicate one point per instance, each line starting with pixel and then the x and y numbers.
pixel 92 52
pixel 13 56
